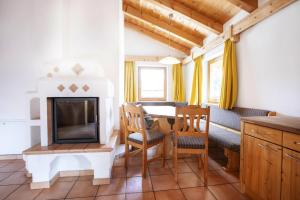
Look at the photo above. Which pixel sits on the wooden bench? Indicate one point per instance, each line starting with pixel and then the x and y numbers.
pixel 224 131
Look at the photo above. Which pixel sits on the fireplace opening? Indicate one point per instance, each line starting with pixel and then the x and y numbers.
pixel 75 120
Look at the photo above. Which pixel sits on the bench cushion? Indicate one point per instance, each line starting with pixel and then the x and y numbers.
pixel 152 137
pixel 224 138
pixel 230 119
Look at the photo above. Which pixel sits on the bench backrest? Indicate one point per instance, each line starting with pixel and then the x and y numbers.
pixel 232 118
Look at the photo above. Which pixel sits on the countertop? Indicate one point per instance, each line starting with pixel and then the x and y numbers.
pixel 283 123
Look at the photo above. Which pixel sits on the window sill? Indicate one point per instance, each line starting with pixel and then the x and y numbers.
pixel 213 103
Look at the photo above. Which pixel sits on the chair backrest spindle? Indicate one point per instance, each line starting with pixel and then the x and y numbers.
pixel 133 120
pixel 192 119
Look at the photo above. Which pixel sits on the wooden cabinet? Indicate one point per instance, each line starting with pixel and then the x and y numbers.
pixel 290 175
pixel 270 163
pixel 291 141
pixel 262 168
pixel 250 172
pixel 268 134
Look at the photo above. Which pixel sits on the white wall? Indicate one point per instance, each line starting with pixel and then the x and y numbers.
pixel 34 32
pixel 138 44
pixel 30 32
pixel 269 65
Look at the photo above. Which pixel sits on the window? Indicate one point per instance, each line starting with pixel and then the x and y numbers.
pixel 215 79
pixel 152 84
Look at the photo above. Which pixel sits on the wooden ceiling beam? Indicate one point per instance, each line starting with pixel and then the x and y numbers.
pixel 158 37
pixel 185 11
pixel 192 38
pixel 158 30
pixel 247 5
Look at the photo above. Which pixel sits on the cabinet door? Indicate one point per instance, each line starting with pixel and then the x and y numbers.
pixel 251 174
pixel 262 168
pixel 290 175
pixel 269 170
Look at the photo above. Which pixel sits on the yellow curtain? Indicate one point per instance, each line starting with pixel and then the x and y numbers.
pixel 196 93
pixel 130 83
pixel 178 85
pixel 229 79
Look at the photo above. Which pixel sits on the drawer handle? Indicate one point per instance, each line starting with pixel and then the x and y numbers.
pixel 267 147
pixel 297 142
pixel 292 157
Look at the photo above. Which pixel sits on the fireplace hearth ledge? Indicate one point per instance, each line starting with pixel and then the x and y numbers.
pixel 45 165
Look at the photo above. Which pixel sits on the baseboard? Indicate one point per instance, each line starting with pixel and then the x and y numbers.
pixel 11 157
pixel 45 184
pixel 101 181
pixel 39 185
pixel 76 173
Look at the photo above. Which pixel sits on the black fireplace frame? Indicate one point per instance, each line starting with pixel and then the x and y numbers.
pixel 73 140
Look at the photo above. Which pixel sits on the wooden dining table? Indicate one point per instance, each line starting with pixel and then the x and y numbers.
pixel 160 111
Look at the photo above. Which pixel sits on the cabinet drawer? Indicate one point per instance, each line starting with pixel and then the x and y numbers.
pixel 271 135
pixel 291 141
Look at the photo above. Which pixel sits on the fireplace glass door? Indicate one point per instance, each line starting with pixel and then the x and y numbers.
pixel 75 120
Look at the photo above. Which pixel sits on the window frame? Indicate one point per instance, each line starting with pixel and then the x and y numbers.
pixel 209 99
pixel 139 83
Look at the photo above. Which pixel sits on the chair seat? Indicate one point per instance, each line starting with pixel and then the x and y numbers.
pixel 153 137
pixel 190 142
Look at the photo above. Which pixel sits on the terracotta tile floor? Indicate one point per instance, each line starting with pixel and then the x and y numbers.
pixel 127 184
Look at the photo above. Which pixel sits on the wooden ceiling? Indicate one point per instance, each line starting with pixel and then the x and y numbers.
pixel 192 21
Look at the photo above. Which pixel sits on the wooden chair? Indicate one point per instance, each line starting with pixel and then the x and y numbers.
pixel 189 137
pixel 138 136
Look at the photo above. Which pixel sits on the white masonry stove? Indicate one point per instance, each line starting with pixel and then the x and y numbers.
pixel 75 120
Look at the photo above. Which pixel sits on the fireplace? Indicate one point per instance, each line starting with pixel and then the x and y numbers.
pixel 69 111
pixel 75 120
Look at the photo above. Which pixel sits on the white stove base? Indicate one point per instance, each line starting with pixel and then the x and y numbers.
pixel 45 168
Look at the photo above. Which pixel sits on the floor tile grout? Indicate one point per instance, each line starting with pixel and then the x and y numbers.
pixel 168 167
pixel 152 188
pixel 13 191
pixel 71 189
pixel 235 188
pixel 97 191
